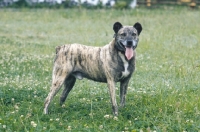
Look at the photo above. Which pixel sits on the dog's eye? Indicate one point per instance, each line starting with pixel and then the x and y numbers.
pixel 123 34
pixel 133 34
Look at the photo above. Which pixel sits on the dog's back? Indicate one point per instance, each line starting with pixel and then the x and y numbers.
pixel 86 61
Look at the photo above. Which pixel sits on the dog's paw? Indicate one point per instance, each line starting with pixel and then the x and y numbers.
pixel 115 114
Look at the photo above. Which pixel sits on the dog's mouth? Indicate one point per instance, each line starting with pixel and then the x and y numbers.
pixel 129 52
pixel 128 48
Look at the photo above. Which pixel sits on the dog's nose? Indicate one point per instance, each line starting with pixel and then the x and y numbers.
pixel 129 43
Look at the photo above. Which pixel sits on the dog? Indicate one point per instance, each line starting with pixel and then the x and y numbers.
pixel 112 63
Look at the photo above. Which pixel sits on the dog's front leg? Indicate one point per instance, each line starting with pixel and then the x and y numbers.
pixel 123 91
pixel 111 87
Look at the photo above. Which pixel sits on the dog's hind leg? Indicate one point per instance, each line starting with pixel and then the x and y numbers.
pixel 68 85
pixel 59 75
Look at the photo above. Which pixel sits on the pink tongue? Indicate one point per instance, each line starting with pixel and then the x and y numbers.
pixel 129 53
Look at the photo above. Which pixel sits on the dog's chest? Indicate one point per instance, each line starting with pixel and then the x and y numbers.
pixel 126 72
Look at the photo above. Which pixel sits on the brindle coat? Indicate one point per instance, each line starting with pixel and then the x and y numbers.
pixel 103 64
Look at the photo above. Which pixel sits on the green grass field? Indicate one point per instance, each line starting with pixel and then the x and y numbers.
pixel 164 92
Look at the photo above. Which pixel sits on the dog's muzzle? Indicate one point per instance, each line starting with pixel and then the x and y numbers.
pixel 129 43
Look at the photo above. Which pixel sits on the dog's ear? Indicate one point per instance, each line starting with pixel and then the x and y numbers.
pixel 138 27
pixel 117 26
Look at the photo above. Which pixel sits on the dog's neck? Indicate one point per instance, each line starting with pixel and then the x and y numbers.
pixel 113 45
pixel 113 42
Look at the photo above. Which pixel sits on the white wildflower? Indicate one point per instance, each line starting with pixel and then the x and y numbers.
pixel 4 126
pixel 115 118
pixel 33 124
pixel 101 127
pixel 126 128
pixel 16 107
pixel 107 116
pixel 69 128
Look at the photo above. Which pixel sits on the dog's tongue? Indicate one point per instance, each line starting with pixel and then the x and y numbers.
pixel 129 53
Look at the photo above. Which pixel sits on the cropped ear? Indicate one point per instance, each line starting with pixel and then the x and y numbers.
pixel 138 27
pixel 117 26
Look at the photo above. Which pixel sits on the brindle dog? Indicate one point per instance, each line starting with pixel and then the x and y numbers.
pixel 114 62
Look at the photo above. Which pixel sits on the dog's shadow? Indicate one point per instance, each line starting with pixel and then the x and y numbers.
pixel 74 108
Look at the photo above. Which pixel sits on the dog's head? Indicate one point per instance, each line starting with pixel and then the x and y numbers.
pixel 127 38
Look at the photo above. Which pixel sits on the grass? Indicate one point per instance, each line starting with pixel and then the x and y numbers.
pixel 164 91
